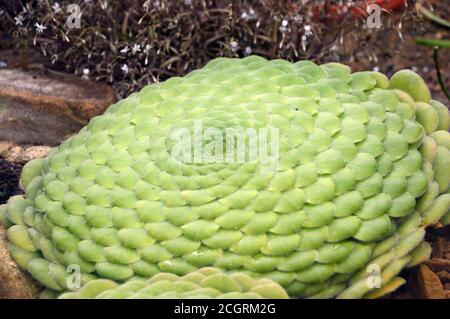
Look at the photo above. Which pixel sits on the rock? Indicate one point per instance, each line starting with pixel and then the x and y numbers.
pixel 45 108
pixel 14 284
pixel 5 147
pixel 438 264
pixel 20 154
pixel 427 284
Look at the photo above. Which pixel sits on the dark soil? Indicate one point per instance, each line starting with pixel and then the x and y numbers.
pixel 9 179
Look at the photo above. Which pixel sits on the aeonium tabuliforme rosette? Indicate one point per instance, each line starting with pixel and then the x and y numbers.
pixel 358 167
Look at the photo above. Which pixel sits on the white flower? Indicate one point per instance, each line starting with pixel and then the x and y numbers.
pixel 248 16
pixel 104 5
pixel 284 26
pixel 56 8
pixel 307 29
pixel 136 48
pixel 85 75
pixel 234 46
pixel 39 27
pixel 248 51
pixel 124 68
pixel 188 2
pixel 376 68
pixel 19 19
pixel 125 50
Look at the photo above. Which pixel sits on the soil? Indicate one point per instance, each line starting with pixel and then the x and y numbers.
pixel 9 179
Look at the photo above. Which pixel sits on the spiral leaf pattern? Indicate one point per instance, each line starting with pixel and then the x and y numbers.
pixel 363 168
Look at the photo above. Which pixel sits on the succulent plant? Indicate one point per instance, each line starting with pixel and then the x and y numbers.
pixel 205 283
pixel 363 168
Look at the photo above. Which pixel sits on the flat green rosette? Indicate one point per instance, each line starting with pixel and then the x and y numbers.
pixel 357 165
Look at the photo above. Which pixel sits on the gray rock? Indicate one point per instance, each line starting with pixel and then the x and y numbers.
pixel 22 154
pixel 38 108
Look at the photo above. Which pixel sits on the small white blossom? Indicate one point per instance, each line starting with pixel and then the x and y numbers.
pixel 284 26
pixel 234 46
pixel 125 50
pixel 85 75
pixel 19 19
pixel 248 51
pixel 124 68
pixel 248 16
pixel 188 2
pixel 104 5
pixel 136 48
pixel 308 31
pixel 39 27
pixel 376 69
pixel 56 8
